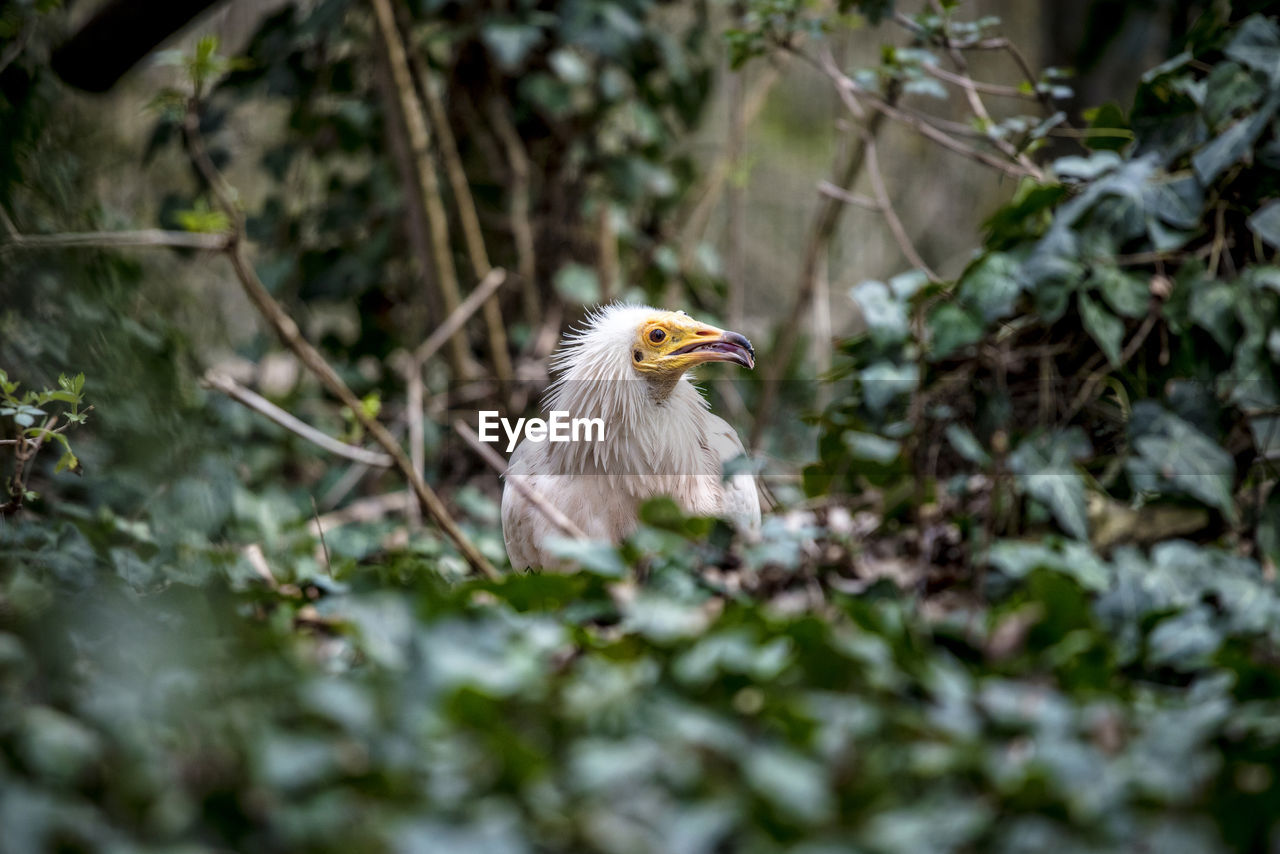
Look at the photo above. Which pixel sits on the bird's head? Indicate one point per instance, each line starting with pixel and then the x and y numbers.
pixel 668 343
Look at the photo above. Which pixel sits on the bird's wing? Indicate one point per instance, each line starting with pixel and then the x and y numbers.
pixel 741 495
pixel 523 527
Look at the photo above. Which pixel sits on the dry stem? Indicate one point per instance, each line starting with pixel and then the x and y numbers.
pixel 232 389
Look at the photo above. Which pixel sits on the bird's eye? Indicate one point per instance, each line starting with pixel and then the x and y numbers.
pixel 657 335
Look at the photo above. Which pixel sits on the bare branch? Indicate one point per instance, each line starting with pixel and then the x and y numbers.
pixel 428 184
pixel 369 509
pixel 287 330
pixel 498 464
pixel 521 226
pixel 221 382
pixel 474 237
pixel 977 85
pixel 142 239
pixel 824 226
pixel 980 109
pixel 840 194
pixel 460 315
pixel 885 203
pixel 695 224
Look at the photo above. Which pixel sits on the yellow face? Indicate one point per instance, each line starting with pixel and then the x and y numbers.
pixel 671 342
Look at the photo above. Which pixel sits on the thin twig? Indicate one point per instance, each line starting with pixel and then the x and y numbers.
pixel 890 214
pixel 287 330
pixel 460 315
pixel 842 195
pixel 825 222
pixel 996 89
pixel 854 95
pixel 315 514
pixel 465 202
pixel 979 108
pixel 144 238
pixel 735 225
pixel 521 226
pixel 415 393
pixel 708 194
pixel 369 509
pixel 1095 379
pixel 498 464
pixel 221 382
pixel 428 184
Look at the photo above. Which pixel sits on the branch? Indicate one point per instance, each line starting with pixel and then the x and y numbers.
pixel 466 205
pixel 840 194
pixel 460 315
pixel 368 509
pixel 23 454
pixel 521 226
pixel 977 85
pixel 853 95
pixel 498 464
pixel 979 108
pixel 144 239
pixel 824 227
pixel 221 382
pixel 695 225
pixel 886 207
pixel 425 173
pixel 287 330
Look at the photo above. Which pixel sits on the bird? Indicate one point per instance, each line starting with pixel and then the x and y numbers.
pixel 627 365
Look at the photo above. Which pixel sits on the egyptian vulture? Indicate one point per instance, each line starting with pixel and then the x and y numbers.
pixel 627 367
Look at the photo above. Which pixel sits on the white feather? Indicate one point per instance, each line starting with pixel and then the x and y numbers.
pixel 655 443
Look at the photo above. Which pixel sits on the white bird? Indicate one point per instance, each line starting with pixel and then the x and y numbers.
pixel 627 366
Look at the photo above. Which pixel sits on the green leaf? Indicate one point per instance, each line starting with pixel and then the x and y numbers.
pixel 884 314
pixel 950 328
pixel 1233 144
pixel 967 445
pixel 594 556
pixel 1265 222
pixel 991 286
pixel 68 461
pixel 1046 471
pixel 1128 294
pixel 1173 457
pixel 510 43
pixel 1213 308
pixel 1109 130
pixel 1257 45
pixel 578 284
pixel 1104 327
pixel 870 447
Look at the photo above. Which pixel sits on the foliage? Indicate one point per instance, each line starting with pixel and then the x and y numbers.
pixel 1113 342
pixel 1047 621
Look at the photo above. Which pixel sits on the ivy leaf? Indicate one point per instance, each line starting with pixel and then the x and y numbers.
pixel 1257 45
pixel 510 43
pixel 885 316
pixel 1265 222
pixel 1046 471
pixel 950 328
pixel 1173 457
pixel 1128 295
pixel 991 287
pixel 1104 327
pixel 967 445
pixel 1231 146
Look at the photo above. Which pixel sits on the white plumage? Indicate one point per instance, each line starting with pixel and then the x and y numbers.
pixel 627 366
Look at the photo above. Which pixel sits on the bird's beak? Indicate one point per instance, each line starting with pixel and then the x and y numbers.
pixel 717 345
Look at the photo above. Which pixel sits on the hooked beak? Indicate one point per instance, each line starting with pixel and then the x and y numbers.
pixel 717 345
